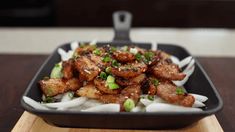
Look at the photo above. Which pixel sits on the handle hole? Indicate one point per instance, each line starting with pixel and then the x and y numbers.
pixel 122 17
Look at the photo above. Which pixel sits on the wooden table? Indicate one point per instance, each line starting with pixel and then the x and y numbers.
pixel 17 71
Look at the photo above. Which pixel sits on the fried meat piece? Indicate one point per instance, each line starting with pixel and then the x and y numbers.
pixel 85 49
pixel 101 86
pixel 89 91
pixel 168 71
pixel 110 98
pixel 129 70
pixel 167 91
pixel 97 60
pixel 126 82
pixel 67 69
pixel 73 84
pixel 53 86
pixel 132 92
pixel 162 55
pixel 123 56
pixel 86 68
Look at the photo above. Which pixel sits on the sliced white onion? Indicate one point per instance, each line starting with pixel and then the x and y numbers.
pixel 185 61
pixel 66 97
pixel 154 46
pixel 74 45
pixel 146 102
pixel 182 82
pixel 159 100
pixel 190 65
pixel 71 103
pixel 198 104
pixel 62 53
pixel 69 54
pixel 138 109
pixel 175 60
pixel 133 50
pixel 200 98
pixel 93 42
pixel 162 107
pixel 104 108
pixel 91 103
pixel 188 73
pixel 88 104
pixel 34 104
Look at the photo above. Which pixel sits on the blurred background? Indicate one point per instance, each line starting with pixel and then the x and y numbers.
pixel 31 29
pixel 97 13
pixel 38 26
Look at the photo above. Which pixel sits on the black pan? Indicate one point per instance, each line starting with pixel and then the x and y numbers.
pixel 198 83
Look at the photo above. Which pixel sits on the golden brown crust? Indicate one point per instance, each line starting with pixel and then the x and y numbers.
pixel 85 49
pixel 89 91
pixel 67 69
pixel 73 84
pixel 167 91
pixel 136 80
pixel 123 56
pixel 108 98
pixel 97 60
pixel 101 86
pixel 132 92
pixel 167 71
pixel 129 70
pixel 53 86
pixel 87 69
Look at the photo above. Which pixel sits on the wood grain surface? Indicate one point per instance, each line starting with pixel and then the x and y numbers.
pixel 17 70
pixel 29 122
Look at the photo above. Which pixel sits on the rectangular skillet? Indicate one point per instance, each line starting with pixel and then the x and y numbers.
pixel 198 83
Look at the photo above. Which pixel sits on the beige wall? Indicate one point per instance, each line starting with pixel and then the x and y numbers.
pixel 203 42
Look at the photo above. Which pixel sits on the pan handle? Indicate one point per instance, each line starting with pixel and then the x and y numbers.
pixel 122 24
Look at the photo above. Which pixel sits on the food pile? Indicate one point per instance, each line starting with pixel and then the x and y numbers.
pixel 129 78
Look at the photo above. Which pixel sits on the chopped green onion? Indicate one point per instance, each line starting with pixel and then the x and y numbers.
pixel 129 104
pixel 124 48
pixel 93 46
pixel 108 69
pixel 46 78
pixel 103 75
pixel 48 100
pixel 150 97
pixel 113 49
pixel 138 56
pixel 115 63
pixel 56 71
pixel 82 45
pixel 155 82
pixel 71 94
pixel 106 59
pixel 49 91
pixel 75 55
pixel 97 52
pixel 180 90
pixel 57 65
pixel 148 55
pixel 145 60
pixel 113 86
pixel 110 79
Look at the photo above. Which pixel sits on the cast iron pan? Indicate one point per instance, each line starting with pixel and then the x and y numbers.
pixel 198 83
